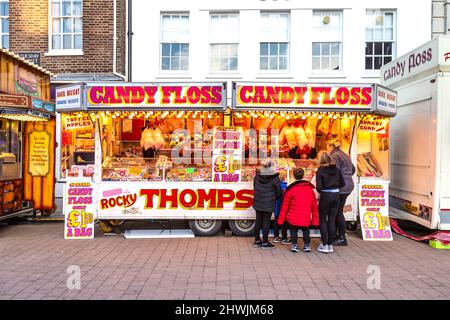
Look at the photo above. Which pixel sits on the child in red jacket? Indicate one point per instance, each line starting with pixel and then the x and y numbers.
pixel 299 208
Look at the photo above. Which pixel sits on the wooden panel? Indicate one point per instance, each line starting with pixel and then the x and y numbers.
pixel 28 179
pixel 3 75
pixel 48 183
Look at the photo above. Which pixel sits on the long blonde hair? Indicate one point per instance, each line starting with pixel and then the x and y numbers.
pixel 325 160
pixel 334 143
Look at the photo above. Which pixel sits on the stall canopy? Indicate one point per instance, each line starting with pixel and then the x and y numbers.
pixel 368 98
pixel 141 96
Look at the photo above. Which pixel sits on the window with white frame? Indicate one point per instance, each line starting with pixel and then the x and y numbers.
pixel 224 42
pixel 4 24
pixel 66 25
pixel 380 38
pixel 274 41
pixel 175 42
pixel 327 41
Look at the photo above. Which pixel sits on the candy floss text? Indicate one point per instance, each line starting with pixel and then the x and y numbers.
pixel 290 95
pixel 414 61
pixel 79 218
pixel 373 203
pixel 154 95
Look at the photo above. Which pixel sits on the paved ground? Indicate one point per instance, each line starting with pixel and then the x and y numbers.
pixel 34 260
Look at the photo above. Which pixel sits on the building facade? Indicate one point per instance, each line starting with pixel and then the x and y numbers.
pixel 255 40
pixel 78 40
pixel 441 17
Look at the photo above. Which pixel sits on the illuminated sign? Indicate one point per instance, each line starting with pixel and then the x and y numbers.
pixel 144 95
pixel 304 96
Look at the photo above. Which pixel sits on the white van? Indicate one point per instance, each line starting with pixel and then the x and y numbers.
pixel 420 134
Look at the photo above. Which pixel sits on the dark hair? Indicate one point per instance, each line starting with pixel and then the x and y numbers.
pixel 299 173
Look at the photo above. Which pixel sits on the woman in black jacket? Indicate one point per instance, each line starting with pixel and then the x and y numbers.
pixel 329 180
pixel 267 188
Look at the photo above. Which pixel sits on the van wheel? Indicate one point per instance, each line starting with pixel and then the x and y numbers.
pixel 351 226
pixel 205 227
pixel 242 228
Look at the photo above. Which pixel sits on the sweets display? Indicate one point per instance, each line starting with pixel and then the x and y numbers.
pixel 130 169
pixel 368 166
pixel 183 173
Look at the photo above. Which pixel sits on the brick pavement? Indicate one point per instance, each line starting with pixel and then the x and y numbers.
pixel 34 260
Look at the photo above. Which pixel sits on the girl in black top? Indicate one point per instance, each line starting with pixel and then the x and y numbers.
pixel 328 181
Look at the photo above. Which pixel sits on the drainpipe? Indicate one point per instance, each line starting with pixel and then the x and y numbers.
pixel 115 44
pixel 130 39
pixel 447 17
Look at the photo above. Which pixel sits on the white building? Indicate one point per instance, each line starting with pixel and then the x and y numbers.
pixel 284 40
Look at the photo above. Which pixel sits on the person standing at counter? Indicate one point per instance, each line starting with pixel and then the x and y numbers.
pixel 151 139
pixel 299 208
pixel 345 165
pixel 267 189
pixel 329 180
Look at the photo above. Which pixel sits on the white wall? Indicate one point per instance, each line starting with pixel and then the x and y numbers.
pixel 413 27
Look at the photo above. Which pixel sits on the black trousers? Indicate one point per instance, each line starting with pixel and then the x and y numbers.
pixel 149 153
pixel 262 222
pixel 328 208
pixel 294 234
pixel 277 227
pixel 340 219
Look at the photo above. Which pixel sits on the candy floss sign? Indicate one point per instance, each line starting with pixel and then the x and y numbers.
pixel 151 95
pixel 79 209
pixel 374 211
pixel 304 96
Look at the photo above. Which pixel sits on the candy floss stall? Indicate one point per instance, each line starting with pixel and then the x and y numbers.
pixel 163 151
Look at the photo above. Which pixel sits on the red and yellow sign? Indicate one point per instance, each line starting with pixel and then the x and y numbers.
pixel 79 210
pixel 227 154
pixel 304 96
pixel 374 211
pixel 151 95
pixel 72 121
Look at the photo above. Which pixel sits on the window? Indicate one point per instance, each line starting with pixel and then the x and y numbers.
pixel 327 41
pixel 66 25
pixel 224 42
pixel 274 42
pixel 175 42
pixel 4 23
pixel 380 38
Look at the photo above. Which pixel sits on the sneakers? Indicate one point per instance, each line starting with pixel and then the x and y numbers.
pixel 257 244
pixel 306 248
pixel 330 248
pixel 340 242
pixel 322 248
pixel 277 240
pixel 286 241
pixel 267 245
pixel 295 248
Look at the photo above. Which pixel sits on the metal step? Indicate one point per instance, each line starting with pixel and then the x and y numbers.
pixel 158 234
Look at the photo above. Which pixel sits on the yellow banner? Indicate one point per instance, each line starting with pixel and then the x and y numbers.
pixel 39 158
